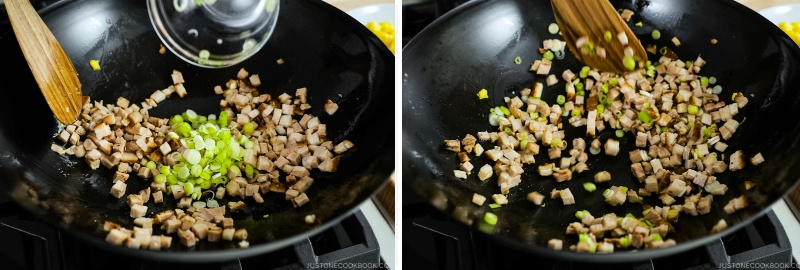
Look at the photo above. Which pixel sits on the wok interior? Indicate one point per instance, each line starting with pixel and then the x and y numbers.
pixel 338 60
pixel 473 47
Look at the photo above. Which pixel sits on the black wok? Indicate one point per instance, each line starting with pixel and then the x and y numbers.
pixel 473 47
pixel 324 50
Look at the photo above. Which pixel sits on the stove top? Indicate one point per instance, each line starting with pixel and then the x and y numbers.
pixel 30 244
pixel 435 241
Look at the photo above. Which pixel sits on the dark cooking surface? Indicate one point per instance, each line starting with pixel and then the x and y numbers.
pixel 473 47
pixel 331 54
pixel 435 241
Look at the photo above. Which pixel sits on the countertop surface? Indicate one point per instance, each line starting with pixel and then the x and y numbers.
pixel 347 5
pixel 759 5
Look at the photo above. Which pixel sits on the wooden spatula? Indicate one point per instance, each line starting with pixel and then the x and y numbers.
pixel 51 67
pixel 590 20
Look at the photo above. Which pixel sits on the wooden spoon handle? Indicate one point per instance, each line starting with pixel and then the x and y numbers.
pixel 51 67
pixel 591 19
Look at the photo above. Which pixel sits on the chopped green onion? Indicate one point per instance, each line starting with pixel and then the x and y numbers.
pixel 175 120
pixel 223 119
pixel 561 99
pixel 656 237
pixel 195 170
pixel 490 218
pixel 656 34
pixel 585 71
pixel 716 90
pixel 672 213
pixel 629 62
pixel 645 212
pixel 523 144
pixel 182 172
pixel 584 238
pixel 556 142
pixel 248 128
pixel 663 51
pixel 638 24
pixel 505 110
pixel 160 178
pixel 603 99
pixel 712 80
pixel 613 81
pixel 608 193
pixel 576 112
pixel 693 109
pixel 548 55
pixel 646 105
pixel 592 247
pixel 625 241
pixel 192 156
pixel 644 117
pixel 623 189
pixel 607 36
pixel 494 205
pixel 589 186
pixel 605 88
pixel 620 133
pixel 191 115
pixel 151 165
pixel 552 28
pixel 600 109
pixel 517 60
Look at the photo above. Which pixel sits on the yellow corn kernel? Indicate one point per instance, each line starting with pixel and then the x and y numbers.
pixel 483 94
pixel 384 31
pixel 792 29
pixel 95 64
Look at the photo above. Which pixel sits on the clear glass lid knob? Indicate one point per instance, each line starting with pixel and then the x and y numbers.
pixel 213 33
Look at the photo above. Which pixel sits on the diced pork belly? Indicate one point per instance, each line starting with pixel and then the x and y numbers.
pixel 227 234
pixel 566 197
pixel 611 147
pixel 135 199
pixel 676 188
pixel 185 202
pixel 757 159
pixel 177 191
pixel 187 238
pixel 138 211
pixel 704 204
pixel 187 222
pixel 200 230
pixel 236 206
pixel 478 199
pixel 536 198
pixel 556 244
pixel 214 234
pixel 331 107
pixel 298 201
pixel 118 189
pixel 172 225
pixel 735 204
pixel 158 197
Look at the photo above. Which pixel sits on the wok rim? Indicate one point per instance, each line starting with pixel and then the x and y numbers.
pixel 614 257
pixel 384 158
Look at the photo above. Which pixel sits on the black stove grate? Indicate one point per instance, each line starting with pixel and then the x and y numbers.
pixel 435 241
pixel 30 244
